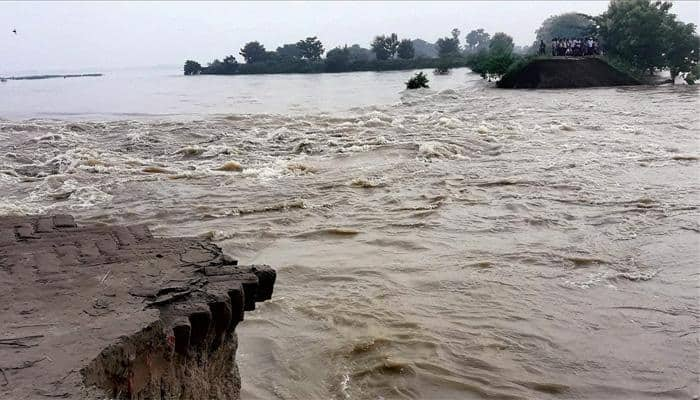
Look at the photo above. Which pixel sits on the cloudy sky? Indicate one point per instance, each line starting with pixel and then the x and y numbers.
pixel 69 36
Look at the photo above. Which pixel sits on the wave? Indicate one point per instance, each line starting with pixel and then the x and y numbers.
pixel 439 150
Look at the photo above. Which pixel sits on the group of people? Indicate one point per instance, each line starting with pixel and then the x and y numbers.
pixel 575 47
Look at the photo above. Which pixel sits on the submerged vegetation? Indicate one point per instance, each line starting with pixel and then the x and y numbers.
pixel 418 81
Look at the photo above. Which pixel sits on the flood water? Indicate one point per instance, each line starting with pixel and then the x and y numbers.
pixel 164 92
pixel 461 242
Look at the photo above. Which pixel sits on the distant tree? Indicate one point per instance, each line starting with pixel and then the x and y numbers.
pixel 493 65
pixel 215 67
pixel 683 47
pixel 358 53
pixel 523 50
pixel 311 48
pixel 478 62
pixel 478 38
pixel 447 47
pixel 567 25
pixel 501 43
pixel 498 63
pixel 424 49
pixel 406 50
pixel 443 68
pixel 385 47
pixel 417 81
pixel 228 66
pixel 230 60
pixel 253 52
pixel 337 59
pixel 392 44
pixel 289 50
pixel 378 46
pixel 455 34
pixel 192 67
pixel 273 57
pixel 634 31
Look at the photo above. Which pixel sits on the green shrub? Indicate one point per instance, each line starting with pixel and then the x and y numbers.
pixel 624 66
pixel 418 81
pixel 693 75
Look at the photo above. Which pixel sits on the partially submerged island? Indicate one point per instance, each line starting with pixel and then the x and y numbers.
pixel 106 311
pixel 35 77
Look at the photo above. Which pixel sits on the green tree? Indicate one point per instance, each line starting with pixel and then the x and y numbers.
pixel 425 49
pixel 272 57
pixel 385 47
pixel 192 67
pixel 338 59
pixel 683 47
pixel 498 64
pixel 405 49
pixel 447 47
pixel 501 43
pixel 358 53
pixel 634 31
pixel 567 25
pixel 253 52
pixel 289 50
pixel 478 61
pixel 455 35
pixel 478 38
pixel 228 66
pixel 215 67
pixel 311 48
pixel 392 44
pixel 379 48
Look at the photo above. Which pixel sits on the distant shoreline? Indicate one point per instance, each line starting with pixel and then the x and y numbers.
pixel 33 77
pixel 320 67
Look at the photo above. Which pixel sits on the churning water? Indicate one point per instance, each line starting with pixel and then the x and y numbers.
pixel 462 242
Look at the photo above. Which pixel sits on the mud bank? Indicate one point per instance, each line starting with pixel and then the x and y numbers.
pixel 111 312
pixel 566 72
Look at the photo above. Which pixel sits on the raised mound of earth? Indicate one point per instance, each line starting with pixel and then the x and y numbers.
pixel 112 312
pixel 565 72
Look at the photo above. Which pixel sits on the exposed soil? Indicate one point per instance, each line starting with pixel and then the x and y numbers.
pixel 111 311
pixel 566 72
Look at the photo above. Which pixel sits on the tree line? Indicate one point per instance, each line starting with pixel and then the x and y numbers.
pixel 639 36
pixel 385 52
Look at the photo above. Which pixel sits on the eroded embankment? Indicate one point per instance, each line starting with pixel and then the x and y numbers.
pixel 112 311
pixel 565 72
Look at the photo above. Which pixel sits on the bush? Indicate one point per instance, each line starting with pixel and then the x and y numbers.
pixel 624 66
pixel 694 75
pixel 493 65
pixel 418 81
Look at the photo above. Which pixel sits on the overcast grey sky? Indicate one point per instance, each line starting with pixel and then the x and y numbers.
pixel 105 35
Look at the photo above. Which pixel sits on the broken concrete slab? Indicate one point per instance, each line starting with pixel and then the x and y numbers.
pixel 101 311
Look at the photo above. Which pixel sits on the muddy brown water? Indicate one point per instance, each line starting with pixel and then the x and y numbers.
pixel 462 244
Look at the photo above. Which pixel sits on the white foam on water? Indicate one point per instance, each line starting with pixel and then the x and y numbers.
pixel 439 150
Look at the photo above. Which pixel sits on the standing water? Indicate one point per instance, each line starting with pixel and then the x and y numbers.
pixel 461 242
